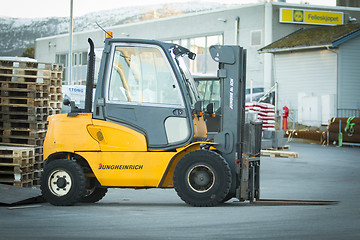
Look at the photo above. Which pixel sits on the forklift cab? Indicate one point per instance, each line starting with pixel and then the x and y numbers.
pixel 146 85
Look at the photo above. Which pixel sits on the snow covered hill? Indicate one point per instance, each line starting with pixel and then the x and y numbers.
pixel 17 34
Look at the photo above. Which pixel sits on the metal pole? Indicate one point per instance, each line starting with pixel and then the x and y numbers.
pixel 71 43
pixel 251 90
pixel 237 24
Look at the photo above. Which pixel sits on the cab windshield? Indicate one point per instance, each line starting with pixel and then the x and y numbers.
pixel 188 79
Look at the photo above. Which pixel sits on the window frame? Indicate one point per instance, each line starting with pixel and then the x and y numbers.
pixel 134 103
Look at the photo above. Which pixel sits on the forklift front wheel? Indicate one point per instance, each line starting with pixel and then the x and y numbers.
pixel 62 182
pixel 202 178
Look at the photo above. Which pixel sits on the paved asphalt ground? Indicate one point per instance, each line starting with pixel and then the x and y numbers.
pixel 320 173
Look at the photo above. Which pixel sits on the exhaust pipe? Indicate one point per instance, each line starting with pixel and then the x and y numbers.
pixel 90 77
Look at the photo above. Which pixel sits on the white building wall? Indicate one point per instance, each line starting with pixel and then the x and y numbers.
pixel 349 78
pixel 303 78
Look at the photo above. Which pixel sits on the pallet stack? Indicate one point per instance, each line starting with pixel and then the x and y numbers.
pixel 56 96
pixel 265 112
pixel 26 90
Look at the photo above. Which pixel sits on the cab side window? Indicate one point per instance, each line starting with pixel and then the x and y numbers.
pixel 142 75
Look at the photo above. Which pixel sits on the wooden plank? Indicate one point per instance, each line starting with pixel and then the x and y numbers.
pixel 284 154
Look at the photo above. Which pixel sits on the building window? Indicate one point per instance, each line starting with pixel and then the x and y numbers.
pixel 203 63
pixel 61 59
pixel 83 58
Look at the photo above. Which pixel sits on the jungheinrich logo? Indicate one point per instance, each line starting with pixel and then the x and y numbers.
pixel 298 16
pixel 120 167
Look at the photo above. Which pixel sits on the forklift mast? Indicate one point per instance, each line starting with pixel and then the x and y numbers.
pixel 242 156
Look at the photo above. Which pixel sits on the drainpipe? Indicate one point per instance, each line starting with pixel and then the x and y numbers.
pixel 268 61
pixel 237 24
pixel 337 79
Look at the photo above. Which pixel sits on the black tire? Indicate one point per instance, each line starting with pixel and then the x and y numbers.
pixel 202 178
pixel 93 192
pixel 69 186
pixel 228 197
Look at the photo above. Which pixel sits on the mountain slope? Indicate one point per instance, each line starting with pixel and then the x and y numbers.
pixel 17 34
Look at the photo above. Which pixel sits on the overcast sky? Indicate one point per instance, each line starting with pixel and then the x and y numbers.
pixel 61 8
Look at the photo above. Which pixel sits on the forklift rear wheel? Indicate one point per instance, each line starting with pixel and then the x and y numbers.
pixel 202 178
pixel 93 192
pixel 62 182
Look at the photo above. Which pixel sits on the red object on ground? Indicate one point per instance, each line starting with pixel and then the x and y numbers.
pixel 285 116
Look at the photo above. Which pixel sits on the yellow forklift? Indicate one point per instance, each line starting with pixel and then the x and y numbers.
pixel 146 128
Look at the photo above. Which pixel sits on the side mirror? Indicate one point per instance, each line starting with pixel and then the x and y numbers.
pixel 66 102
pixel 199 107
pixel 191 55
pixel 210 108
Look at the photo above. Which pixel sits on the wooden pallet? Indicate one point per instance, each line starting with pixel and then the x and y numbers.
pixel 55 104
pixel 54 111
pixel 56 97
pixel 24 102
pixel 18 152
pixel 25 71
pixel 24 117
pixel 286 147
pixel 21 141
pixel 24 133
pixel 55 82
pixel 22 93
pixel 24 78
pixel 39 165
pixel 16 169
pixel 24 86
pixel 275 153
pixel 23 125
pixel 29 65
pixel 16 161
pixel 23 110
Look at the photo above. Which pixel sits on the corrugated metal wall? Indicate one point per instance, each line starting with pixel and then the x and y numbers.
pixel 349 78
pixel 312 72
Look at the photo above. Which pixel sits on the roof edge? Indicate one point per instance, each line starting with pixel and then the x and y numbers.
pixel 276 50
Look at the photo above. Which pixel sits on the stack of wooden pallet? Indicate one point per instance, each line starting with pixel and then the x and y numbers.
pixel 56 95
pixel 17 166
pixel 26 90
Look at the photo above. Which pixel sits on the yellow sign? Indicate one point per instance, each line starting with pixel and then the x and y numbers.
pixel 302 16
